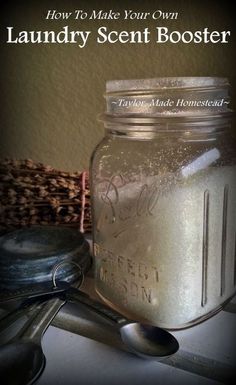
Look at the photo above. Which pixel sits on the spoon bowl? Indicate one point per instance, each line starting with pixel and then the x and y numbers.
pixel 148 341
pixel 21 363
pixel 22 360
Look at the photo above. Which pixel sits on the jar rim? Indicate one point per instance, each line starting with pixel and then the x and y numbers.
pixel 181 121
pixel 161 83
pixel 169 96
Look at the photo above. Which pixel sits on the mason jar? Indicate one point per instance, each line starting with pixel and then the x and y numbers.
pixel 163 183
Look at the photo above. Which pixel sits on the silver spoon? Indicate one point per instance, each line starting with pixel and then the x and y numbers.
pixel 144 340
pixel 22 360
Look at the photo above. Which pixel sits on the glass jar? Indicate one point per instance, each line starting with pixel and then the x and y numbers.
pixel 163 184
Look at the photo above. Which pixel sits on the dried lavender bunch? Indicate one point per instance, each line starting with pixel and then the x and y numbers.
pixel 32 193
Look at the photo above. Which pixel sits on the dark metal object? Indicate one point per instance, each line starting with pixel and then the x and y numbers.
pixel 22 361
pixel 32 292
pixel 8 321
pixel 144 340
pixel 28 256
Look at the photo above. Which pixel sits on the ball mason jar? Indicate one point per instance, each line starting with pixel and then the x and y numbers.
pixel 163 184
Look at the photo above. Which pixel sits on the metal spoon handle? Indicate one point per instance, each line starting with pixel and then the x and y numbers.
pixel 78 296
pixel 37 325
pixel 8 324
pixel 10 318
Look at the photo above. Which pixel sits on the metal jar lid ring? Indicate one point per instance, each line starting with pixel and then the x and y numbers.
pixel 57 267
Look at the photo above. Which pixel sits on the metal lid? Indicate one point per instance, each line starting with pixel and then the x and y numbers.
pixel 29 255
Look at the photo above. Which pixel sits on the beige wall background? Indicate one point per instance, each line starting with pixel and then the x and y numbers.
pixel 51 95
